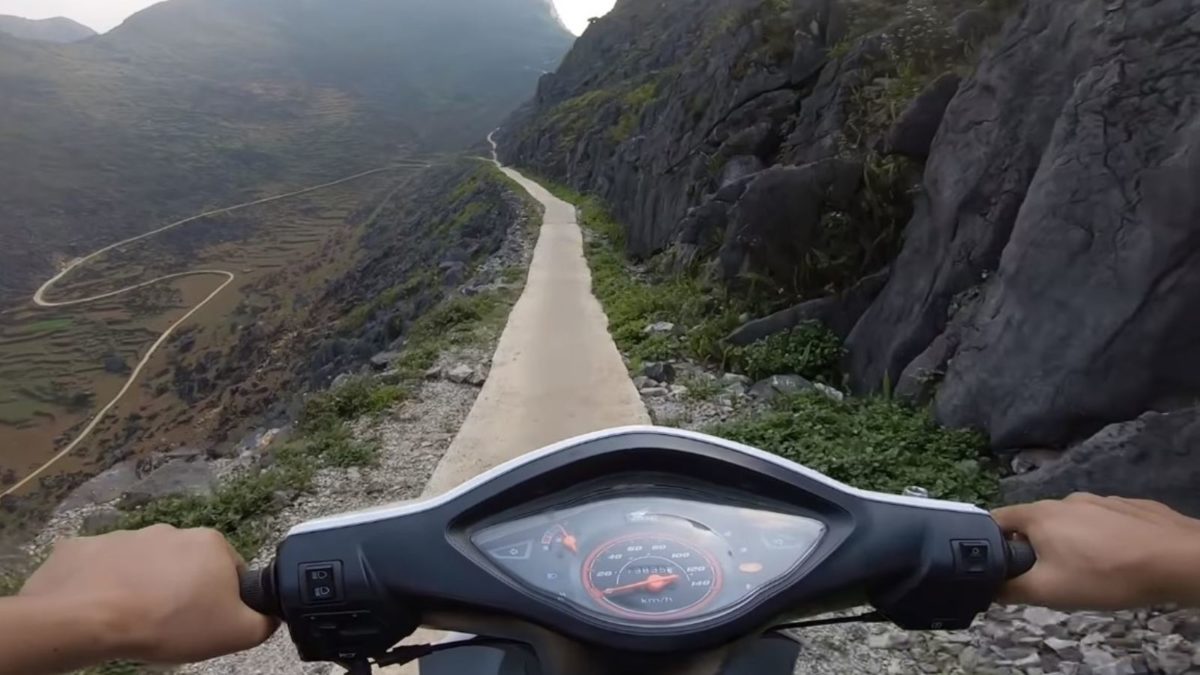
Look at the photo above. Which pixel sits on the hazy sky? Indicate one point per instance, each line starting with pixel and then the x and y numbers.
pixel 103 15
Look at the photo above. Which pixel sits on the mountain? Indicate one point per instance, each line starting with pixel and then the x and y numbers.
pixel 58 29
pixel 195 103
pixel 992 202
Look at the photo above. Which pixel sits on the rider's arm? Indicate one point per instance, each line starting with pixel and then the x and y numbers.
pixel 1105 553
pixel 160 595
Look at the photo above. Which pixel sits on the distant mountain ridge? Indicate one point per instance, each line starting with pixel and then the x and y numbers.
pixel 193 103
pixel 58 29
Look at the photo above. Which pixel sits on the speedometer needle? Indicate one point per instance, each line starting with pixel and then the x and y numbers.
pixel 654 583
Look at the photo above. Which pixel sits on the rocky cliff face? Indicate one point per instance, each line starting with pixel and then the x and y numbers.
pixel 993 200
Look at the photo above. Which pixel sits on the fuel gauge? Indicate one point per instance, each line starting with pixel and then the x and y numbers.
pixel 558 538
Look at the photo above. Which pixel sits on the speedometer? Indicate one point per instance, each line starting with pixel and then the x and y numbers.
pixel 651 576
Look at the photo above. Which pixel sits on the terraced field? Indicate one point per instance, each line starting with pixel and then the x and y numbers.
pixel 61 366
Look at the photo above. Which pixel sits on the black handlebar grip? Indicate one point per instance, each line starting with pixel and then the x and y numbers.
pixel 257 588
pixel 1020 556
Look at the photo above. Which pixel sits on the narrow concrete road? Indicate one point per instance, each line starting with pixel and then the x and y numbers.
pixel 556 372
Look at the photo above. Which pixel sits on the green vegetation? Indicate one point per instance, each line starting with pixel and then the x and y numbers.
pixel 633 103
pixel 703 312
pixel 809 350
pixel 49 326
pixel 871 443
pixel 240 508
pixel 457 321
pixel 701 388
pixel 573 117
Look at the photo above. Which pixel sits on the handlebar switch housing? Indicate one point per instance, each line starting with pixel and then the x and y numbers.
pixel 334 609
pixel 964 565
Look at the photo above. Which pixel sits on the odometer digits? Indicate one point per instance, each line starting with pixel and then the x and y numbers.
pixel 651 576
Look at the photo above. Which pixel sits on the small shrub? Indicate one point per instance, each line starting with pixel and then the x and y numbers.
pixel 702 388
pixel 810 350
pixel 238 508
pixel 358 397
pixel 874 444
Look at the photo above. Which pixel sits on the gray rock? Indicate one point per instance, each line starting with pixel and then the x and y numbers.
pixel 641 382
pixel 776 385
pixel 1033 459
pixel 913 133
pixel 735 379
pixel 1155 457
pixel 1161 624
pixel 1173 662
pixel 175 478
pixel 829 392
pixel 341 381
pixel 887 640
pixel 106 487
pixel 659 371
pixel 461 373
pixel 100 522
pixel 434 373
pixel 660 328
pixel 839 313
pixel 1060 345
pixel 679 390
pixel 1040 616
pixel 1085 623
pixel 778 218
pixel 1060 645
pixel 383 360
pixel 991 144
pixel 655 392
pixel 973 25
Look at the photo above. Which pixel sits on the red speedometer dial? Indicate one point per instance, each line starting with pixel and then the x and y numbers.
pixel 651 576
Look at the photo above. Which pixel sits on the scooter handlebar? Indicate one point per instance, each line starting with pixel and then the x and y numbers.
pixel 258 590
pixel 1020 556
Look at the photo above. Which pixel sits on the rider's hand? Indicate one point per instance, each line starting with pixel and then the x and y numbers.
pixel 1105 553
pixel 162 595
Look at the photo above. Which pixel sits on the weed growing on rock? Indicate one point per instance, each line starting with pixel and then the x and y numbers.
pixel 874 443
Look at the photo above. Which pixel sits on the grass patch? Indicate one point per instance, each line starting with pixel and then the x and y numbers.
pixel 875 444
pixel 633 103
pixel 240 508
pixel 49 326
pixel 458 321
pixel 702 388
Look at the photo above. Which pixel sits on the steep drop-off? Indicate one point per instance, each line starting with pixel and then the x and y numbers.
pixel 992 202
pixel 195 103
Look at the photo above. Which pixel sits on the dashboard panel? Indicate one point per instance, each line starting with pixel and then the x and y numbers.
pixel 650 557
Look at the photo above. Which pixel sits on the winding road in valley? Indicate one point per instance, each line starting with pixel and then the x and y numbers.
pixel 39 299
